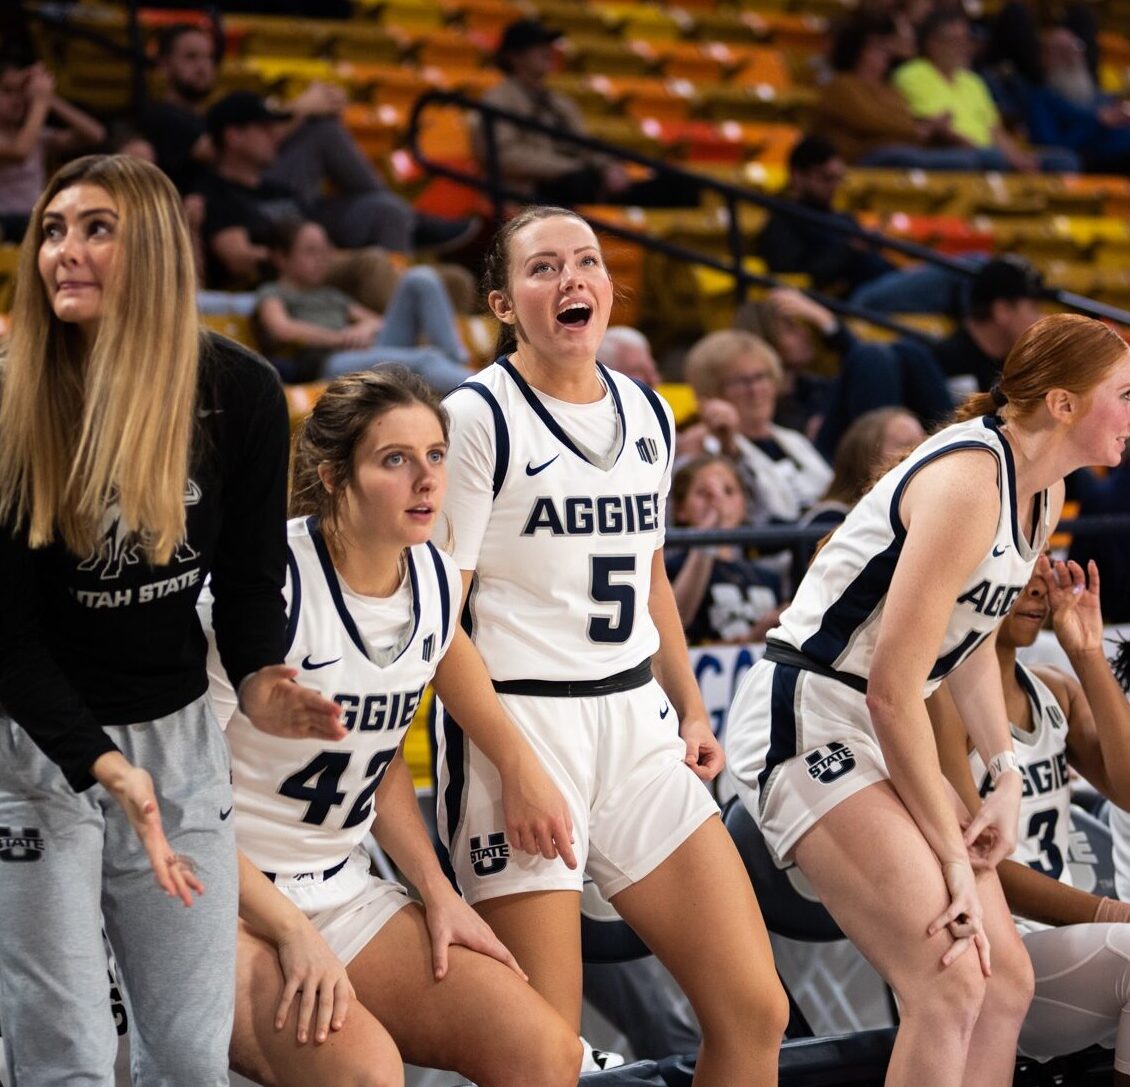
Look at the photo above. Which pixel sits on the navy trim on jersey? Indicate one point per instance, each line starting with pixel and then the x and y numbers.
pixel 444 592
pixel 949 661
pixel 845 616
pixel 656 403
pixel 455 756
pixel 782 721
pixel 896 498
pixel 1039 509
pixel 501 433
pixel 334 587
pixel 552 425
pixel 860 598
pixel 295 599
pixel 414 582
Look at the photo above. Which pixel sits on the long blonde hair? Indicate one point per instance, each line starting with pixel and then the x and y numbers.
pixel 82 430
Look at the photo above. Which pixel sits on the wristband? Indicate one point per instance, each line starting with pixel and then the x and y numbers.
pixel 1002 763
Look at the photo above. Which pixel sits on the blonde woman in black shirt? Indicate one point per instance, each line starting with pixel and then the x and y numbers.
pixel 137 455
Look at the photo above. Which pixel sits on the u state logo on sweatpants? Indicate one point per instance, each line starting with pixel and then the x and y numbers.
pixel 826 764
pixel 492 858
pixel 25 844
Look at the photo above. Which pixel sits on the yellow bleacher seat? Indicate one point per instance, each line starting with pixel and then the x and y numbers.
pixel 412 15
pixel 722 25
pixel 610 57
pixel 489 16
pixel 644 22
pixel 449 47
pixel 681 399
pixel 573 20
pixel 364 43
pixel 236 326
pixel 9 262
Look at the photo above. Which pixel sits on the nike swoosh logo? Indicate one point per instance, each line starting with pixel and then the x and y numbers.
pixel 666 710
pixel 997 552
pixel 225 814
pixel 310 665
pixel 532 471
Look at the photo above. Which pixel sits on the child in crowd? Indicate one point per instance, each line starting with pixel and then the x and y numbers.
pixel 721 596
pixel 313 330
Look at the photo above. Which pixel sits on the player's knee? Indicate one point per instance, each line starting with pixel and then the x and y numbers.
pixel 754 1007
pixel 555 1061
pixel 1010 989
pixel 373 1075
pixel 951 998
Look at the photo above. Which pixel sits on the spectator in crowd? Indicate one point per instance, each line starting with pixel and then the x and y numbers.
pixel 244 207
pixel 315 330
pixel 940 84
pixel 1068 110
pixel 736 378
pixel 1111 550
pixel 862 113
pixel 834 261
pixel 876 441
pixel 870 375
pixel 721 595
pixel 34 122
pixel 313 153
pixel 1004 301
pixel 548 171
pixel 626 349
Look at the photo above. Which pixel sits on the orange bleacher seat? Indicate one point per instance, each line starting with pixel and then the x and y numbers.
pixel 489 16
pixel 376 129
pixel 700 141
pixel 697 62
pixel 449 47
pixel 610 57
pixel 647 96
pixel 761 66
pixel 362 43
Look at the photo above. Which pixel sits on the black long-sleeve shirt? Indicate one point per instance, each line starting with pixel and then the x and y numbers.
pixel 107 638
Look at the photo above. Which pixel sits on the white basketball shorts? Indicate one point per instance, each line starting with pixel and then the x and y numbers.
pixel 617 759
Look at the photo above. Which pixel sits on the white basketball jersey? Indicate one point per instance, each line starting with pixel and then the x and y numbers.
pixel 834 617
pixel 564 570
pixel 303 805
pixel 1045 800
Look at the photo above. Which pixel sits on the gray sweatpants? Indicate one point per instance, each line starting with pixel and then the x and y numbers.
pixel 68 860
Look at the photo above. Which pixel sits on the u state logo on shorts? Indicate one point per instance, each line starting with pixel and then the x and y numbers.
pixel 21 844
pixel 492 858
pixel 826 764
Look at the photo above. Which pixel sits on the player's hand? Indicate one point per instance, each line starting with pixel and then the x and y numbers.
pixel 132 788
pixel 537 817
pixel 452 922
pixel 990 835
pixel 274 703
pixel 1076 609
pixel 309 967
pixel 962 917
pixel 704 753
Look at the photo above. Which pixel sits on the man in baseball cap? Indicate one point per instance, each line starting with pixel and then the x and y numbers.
pixel 1004 301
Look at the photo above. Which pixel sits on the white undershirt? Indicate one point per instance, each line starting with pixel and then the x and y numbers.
pixel 384 622
pixel 593 427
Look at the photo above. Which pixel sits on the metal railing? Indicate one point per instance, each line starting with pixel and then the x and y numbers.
pixel 732 197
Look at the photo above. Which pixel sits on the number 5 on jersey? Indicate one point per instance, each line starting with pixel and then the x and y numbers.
pixel 604 590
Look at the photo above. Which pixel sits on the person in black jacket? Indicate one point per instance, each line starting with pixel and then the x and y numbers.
pixel 137 456
pixel 837 262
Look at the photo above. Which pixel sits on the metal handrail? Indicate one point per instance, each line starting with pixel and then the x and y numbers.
pixel 733 196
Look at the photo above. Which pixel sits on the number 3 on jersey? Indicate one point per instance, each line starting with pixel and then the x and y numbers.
pixel 318 783
pixel 604 590
pixel 1042 827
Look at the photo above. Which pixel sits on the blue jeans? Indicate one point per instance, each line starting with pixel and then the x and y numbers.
pixel 972 159
pixel 419 310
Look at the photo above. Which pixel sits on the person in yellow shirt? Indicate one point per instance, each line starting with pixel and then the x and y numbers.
pixel 940 82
